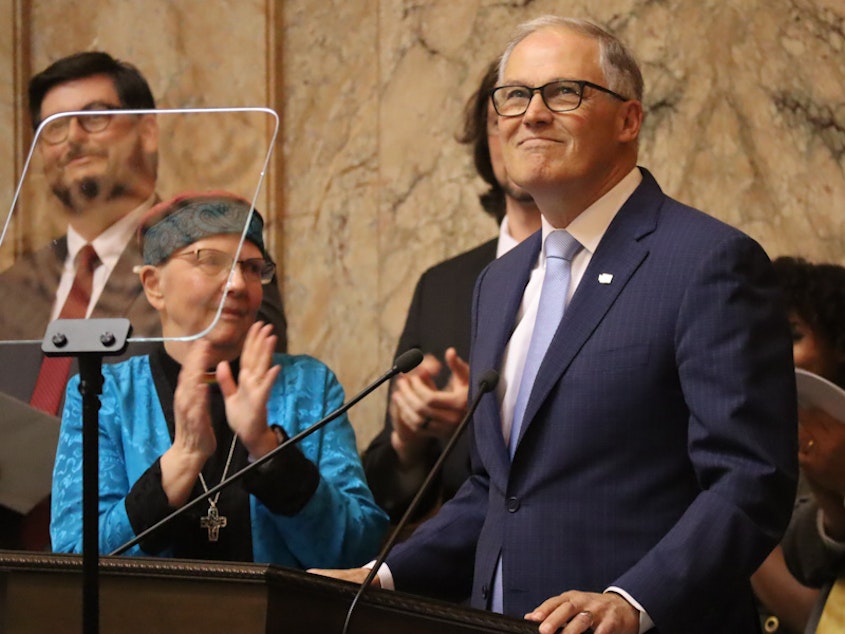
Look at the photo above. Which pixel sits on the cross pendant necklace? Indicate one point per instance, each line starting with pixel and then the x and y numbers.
pixel 212 520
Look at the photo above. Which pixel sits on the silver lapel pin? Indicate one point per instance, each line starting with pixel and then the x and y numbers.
pixel 605 278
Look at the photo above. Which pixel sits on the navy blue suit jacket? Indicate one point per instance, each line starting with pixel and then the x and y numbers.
pixel 658 449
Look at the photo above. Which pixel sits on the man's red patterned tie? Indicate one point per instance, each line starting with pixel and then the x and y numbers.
pixel 52 379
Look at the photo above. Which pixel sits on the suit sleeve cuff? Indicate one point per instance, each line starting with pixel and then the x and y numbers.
pixel 645 620
pixel 385 577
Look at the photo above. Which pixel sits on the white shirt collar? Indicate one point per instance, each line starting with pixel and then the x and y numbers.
pixel 506 240
pixel 589 226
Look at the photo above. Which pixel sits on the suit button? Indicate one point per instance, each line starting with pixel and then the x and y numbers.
pixel 484 592
pixel 513 505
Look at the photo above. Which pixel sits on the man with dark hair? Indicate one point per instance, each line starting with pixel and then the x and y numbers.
pixel 426 404
pixel 478 125
pixel 102 169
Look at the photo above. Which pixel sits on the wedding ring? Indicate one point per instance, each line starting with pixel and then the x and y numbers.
pixel 588 614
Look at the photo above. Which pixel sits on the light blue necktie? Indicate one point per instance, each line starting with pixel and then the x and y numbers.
pixel 560 247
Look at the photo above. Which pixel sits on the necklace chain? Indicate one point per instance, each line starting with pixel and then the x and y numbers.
pixel 213 521
pixel 225 471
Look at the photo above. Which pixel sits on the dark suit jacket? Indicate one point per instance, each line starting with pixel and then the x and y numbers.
pixel 439 317
pixel 658 449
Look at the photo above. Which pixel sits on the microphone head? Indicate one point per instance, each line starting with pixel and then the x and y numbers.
pixel 408 360
pixel 488 381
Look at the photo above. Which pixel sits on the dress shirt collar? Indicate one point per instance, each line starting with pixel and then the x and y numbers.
pixel 589 226
pixel 506 240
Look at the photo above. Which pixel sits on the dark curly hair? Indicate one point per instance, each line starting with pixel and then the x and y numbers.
pixel 475 134
pixel 816 294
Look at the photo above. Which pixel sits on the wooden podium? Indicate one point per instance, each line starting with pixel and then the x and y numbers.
pixel 43 593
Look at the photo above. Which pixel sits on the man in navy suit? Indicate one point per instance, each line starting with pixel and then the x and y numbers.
pixel 656 463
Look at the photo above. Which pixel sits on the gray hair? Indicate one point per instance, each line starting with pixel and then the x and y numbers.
pixel 619 66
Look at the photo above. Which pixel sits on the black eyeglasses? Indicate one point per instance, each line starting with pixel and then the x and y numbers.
pixel 562 95
pixel 57 130
pixel 215 263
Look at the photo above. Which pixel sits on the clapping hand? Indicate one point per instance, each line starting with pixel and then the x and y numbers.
pixel 246 399
pixel 420 411
pixel 193 438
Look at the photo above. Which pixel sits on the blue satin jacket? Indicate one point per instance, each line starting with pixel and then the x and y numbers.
pixel 340 526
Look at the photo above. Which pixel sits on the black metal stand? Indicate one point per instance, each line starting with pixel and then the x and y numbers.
pixel 89 340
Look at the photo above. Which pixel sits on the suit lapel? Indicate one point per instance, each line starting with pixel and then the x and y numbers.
pixel 50 264
pixel 619 253
pixel 501 290
pixel 32 282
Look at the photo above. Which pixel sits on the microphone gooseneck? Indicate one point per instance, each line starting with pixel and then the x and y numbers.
pixel 404 362
pixel 487 383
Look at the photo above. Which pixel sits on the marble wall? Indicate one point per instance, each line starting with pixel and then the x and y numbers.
pixel 745 104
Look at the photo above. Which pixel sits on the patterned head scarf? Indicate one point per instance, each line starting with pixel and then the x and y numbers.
pixel 176 223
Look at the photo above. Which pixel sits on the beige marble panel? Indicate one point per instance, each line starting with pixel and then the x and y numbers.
pixel 10 133
pixel 330 148
pixel 747 116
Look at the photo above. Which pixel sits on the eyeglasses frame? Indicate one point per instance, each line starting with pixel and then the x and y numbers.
pixel 268 269
pixel 85 120
pixel 581 83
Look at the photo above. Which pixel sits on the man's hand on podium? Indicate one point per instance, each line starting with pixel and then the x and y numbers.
pixel 355 575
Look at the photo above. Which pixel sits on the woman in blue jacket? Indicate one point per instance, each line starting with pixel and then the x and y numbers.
pixel 176 422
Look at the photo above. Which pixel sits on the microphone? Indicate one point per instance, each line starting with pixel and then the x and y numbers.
pixel 405 362
pixel 486 384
